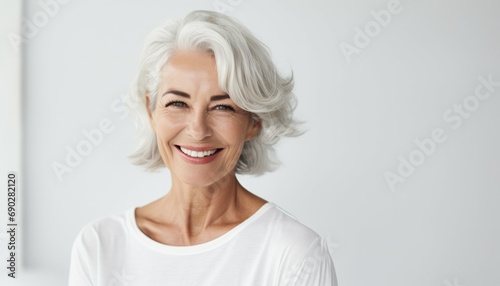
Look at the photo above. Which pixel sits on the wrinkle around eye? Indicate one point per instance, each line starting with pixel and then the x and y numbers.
pixel 224 107
pixel 176 104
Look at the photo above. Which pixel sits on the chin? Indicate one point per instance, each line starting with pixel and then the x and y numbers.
pixel 200 178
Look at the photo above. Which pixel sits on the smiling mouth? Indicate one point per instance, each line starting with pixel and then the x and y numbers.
pixel 198 154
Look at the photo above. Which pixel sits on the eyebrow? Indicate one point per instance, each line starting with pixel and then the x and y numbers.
pixel 186 95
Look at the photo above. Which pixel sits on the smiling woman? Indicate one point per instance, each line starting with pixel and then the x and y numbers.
pixel 214 105
pixel 200 131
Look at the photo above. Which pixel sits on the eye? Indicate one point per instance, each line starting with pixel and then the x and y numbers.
pixel 224 107
pixel 176 103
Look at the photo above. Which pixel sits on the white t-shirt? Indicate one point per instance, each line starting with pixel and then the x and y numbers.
pixel 269 248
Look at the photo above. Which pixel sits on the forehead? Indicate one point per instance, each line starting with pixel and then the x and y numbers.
pixel 190 66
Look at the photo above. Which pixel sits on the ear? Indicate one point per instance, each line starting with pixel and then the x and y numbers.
pixel 150 114
pixel 253 130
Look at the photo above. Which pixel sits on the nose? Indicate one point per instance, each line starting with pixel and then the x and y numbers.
pixel 198 127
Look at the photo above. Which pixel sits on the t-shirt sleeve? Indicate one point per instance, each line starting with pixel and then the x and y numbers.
pixel 83 268
pixel 316 269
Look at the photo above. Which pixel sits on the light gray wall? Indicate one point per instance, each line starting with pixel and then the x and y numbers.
pixel 366 101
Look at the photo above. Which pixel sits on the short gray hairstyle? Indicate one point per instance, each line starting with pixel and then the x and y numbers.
pixel 245 72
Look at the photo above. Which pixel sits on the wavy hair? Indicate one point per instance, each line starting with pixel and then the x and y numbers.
pixel 245 72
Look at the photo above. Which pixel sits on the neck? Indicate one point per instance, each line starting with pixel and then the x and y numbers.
pixel 193 210
pixel 190 215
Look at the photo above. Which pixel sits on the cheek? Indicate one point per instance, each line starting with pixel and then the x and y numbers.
pixel 166 123
pixel 234 130
pixel 167 128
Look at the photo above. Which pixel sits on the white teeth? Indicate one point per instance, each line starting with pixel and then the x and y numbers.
pixel 197 154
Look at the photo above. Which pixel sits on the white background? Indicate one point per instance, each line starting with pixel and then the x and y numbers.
pixel 441 226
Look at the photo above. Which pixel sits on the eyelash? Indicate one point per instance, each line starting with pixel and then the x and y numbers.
pixel 226 107
pixel 176 103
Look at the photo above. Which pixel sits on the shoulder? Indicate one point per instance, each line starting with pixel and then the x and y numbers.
pixel 104 229
pixel 283 233
pixel 302 253
pixel 95 237
pixel 287 229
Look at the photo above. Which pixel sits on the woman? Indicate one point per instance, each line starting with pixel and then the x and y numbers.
pixel 215 105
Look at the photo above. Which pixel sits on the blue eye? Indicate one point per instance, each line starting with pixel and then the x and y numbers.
pixel 176 103
pixel 224 107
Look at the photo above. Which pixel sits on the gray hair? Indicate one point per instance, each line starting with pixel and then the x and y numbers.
pixel 245 72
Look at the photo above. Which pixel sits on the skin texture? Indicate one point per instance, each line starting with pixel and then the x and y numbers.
pixel 205 200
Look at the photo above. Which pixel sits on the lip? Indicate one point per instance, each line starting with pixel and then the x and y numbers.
pixel 203 160
pixel 198 148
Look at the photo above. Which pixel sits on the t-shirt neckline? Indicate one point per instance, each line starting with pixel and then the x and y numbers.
pixel 192 249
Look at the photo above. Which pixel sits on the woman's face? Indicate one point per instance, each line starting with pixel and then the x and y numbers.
pixel 200 131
